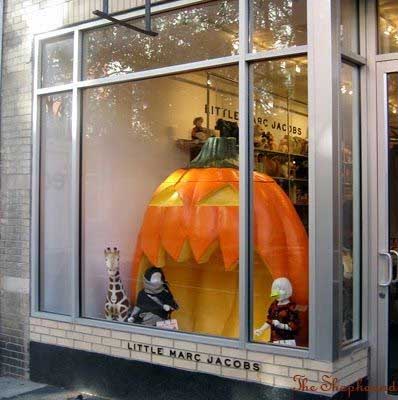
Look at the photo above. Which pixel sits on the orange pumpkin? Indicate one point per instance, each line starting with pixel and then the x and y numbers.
pixel 191 229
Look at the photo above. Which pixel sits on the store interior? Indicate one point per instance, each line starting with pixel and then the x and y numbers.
pixel 162 125
pixel 388 26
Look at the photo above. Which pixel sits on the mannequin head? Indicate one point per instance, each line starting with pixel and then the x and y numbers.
pixel 198 122
pixel 281 290
pixel 154 280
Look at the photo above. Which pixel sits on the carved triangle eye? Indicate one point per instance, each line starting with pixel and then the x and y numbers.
pixel 167 198
pixel 226 196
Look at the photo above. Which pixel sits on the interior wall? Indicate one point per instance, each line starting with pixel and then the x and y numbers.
pixel 129 133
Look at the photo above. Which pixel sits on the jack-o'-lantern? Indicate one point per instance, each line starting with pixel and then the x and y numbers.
pixel 191 229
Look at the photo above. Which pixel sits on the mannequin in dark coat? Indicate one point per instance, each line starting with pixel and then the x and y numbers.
pixel 155 302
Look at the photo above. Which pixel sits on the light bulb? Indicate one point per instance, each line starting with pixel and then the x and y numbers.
pixel 389 30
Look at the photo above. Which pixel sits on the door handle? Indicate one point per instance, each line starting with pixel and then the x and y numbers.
pixel 389 280
pixel 395 253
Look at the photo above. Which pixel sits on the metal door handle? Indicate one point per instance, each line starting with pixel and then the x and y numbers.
pixel 389 258
pixel 395 253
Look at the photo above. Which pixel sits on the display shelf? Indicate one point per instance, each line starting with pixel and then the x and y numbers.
pixel 188 144
pixel 280 153
pixel 280 178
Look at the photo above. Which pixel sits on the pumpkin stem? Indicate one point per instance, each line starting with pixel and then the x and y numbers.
pixel 218 152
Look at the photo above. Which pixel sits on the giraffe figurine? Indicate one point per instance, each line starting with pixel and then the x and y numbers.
pixel 117 306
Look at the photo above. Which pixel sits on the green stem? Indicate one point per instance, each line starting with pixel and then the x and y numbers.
pixel 218 152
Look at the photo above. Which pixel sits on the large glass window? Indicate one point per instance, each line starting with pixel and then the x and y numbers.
pixel 388 26
pixel 350 200
pixel 160 182
pixel 392 104
pixel 191 34
pixel 55 203
pixel 277 24
pixel 57 61
pixel 349 27
pixel 159 174
pixel 280 241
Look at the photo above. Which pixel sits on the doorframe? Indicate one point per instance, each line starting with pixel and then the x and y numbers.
pixel 379 241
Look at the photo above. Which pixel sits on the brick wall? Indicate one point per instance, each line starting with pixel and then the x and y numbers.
pixel 274 370
pixel 23 19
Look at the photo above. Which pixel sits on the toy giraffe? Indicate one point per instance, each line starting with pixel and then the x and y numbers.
pixel 117 306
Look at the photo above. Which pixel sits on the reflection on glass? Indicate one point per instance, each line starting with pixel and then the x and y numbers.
pixel 388 26
pixel 186 35
pixel 55 205
pixel 393 193
pixel 280 270
pixel 57 61
pixel 349 28
pixel 350 203
pixel 277 24
pixel 160 182
pixel 123 5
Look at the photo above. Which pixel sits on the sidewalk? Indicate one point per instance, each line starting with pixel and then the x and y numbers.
pixel 19 389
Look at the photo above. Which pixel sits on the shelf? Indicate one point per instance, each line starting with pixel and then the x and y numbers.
pixel 280 178
pixel 280 153
pixel 186 144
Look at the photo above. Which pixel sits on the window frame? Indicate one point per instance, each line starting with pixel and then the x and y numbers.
pixel 359 60
pixel 324 307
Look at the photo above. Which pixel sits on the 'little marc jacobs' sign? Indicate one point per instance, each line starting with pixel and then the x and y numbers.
pixel 196 357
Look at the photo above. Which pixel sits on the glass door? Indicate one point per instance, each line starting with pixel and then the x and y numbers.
pixel 388 230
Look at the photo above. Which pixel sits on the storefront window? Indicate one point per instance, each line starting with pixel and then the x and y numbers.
pixel 57 60
pixel 388 26
pixel 349 28
pixel 277 24
pixel 191 34
pixel 156 170
pixel 55 203
pixel 280 240
pixel 351 204
pixel 160 183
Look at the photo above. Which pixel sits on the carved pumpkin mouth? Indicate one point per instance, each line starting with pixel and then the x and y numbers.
pixel 193 213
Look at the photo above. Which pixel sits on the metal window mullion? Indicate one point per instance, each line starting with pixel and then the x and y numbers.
pixel 159 72
pixel 362 28
pixel 245 176
pixel 365 168
pixel 357 208
pixel 370 289
pixel 75 176
pixel 35 230
pixel 353 58
pixel 55 89
pixel 323 81
pixel 278 53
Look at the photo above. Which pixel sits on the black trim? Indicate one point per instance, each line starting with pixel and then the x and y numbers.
pixel 128 379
